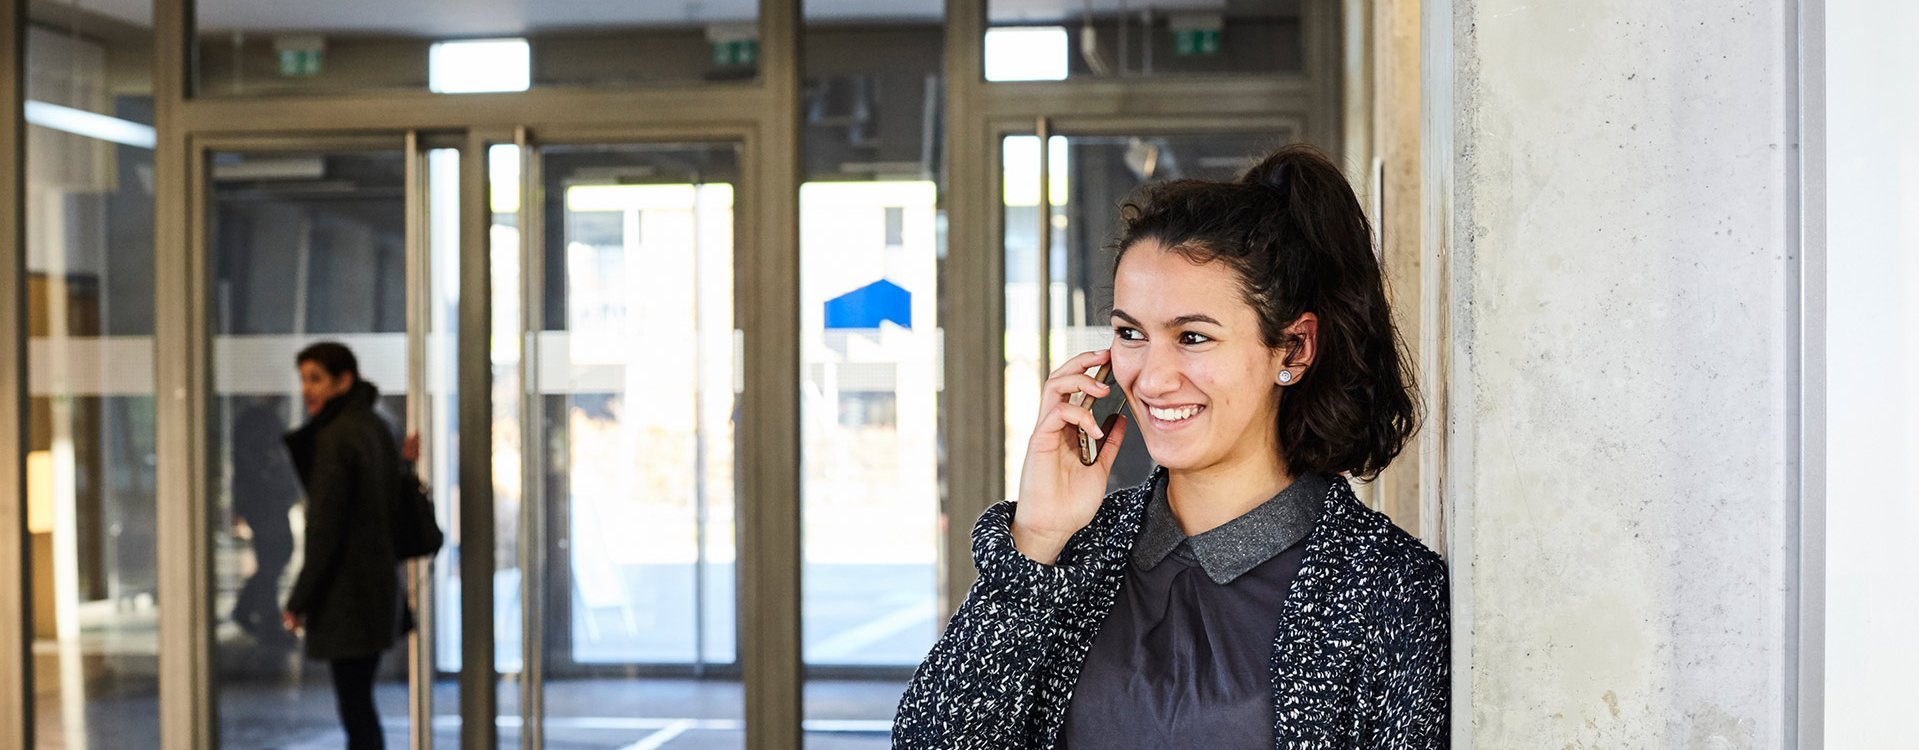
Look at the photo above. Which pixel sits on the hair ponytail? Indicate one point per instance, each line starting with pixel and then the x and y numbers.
pixel 1293 232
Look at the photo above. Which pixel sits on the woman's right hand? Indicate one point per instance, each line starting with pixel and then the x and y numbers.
pixel 1058 495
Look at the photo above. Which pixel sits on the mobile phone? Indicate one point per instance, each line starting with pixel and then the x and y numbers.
pixel 1102 408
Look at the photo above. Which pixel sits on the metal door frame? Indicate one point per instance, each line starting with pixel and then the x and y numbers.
pixel 16 631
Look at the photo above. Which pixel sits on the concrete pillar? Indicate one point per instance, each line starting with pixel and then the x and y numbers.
pixel 1611 185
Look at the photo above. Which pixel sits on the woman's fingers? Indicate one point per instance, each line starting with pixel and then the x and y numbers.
pixel 1064 416
pixel 1082 362
pixel 1063 387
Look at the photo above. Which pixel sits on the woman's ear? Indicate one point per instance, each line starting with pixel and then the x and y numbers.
pixel 1298 358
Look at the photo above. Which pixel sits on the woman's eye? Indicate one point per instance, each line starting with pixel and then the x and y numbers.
pixel 1127 334
pixel 1193 339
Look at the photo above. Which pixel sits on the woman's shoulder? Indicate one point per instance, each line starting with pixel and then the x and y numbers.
pixel 1376 545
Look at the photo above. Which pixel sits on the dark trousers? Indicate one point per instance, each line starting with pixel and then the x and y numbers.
pixel 353 693
pixel 258 606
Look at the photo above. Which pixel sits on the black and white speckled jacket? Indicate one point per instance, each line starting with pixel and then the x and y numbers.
pixel 1360 658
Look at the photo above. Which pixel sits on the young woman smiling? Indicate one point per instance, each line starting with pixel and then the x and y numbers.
pixel 1241 597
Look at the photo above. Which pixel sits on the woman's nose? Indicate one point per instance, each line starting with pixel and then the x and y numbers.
pixel 1158 374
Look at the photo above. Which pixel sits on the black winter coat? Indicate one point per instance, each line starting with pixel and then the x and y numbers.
pixel 1359 660
pixel 349 584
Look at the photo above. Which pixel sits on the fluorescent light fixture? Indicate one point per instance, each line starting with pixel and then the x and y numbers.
pixel 89 124
pixel 1026 53
pixel 479 65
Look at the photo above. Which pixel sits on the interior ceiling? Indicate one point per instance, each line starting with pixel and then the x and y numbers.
pixel 434 18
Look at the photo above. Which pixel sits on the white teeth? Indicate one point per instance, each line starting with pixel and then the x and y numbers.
pixel 1173 415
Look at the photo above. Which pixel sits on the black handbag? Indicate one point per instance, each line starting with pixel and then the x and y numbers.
pixel 416 529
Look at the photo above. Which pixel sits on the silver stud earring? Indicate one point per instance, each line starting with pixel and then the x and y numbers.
pixel 1285 376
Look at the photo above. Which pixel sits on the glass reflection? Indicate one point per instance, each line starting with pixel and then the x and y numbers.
pixel 305 246
pixel 90 452
pixel 1050 41
pixel 278 47
pixel 871 245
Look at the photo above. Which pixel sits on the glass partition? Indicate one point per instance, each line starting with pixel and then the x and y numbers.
pixel 629 385
pixel 438 607
pixel 871 246
pixel 1042 40
pixel 90 450
pixel 305 247
pixel 508 429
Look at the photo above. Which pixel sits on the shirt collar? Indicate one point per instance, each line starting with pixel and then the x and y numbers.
pixel 1239 545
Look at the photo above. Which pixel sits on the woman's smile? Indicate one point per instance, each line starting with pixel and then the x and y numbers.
pixel 1173 417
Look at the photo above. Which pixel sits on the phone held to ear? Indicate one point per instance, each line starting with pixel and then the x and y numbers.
pixel 1103 409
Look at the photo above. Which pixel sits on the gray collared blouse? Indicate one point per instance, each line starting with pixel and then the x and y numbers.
pixel 1182 658
pixel 1359 658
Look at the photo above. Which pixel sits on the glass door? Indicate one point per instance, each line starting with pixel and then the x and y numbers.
pixel 352 241
pixel 305 245
pixel 620 601
pixel 615 373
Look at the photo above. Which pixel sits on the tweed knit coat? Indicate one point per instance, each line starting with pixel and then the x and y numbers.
pixel 1359 659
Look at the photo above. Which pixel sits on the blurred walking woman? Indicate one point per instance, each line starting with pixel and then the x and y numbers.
pixel 1241 597
pixel 347 597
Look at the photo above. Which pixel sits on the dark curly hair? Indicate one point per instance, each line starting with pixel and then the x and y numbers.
pixel 1292 231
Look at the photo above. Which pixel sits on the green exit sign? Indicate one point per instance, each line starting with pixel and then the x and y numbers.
pixel 300 62
pixel 1196 42
pixel 736 53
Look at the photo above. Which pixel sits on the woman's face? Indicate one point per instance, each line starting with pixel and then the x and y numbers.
pixel 317 386
pixel 1188 352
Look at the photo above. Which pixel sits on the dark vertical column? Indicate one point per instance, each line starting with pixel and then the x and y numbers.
pixel 478 700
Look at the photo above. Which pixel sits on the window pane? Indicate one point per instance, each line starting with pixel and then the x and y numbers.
pixel 90 450
pixel 1038 40
pixel 305 247
pixel 509 408
pixel 266 47
pixel 440 439
pixel 635 405
pixel 870 249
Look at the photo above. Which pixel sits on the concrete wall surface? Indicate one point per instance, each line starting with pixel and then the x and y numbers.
pixel 1620 446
